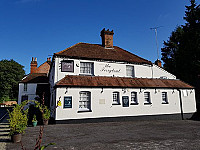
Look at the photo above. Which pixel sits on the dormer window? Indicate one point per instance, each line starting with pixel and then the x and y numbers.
pixel 86 68
pixel 130 71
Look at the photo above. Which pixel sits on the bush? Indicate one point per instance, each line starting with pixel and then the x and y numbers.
pixel 17 120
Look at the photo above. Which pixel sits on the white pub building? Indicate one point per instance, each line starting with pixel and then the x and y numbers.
pixel 90 81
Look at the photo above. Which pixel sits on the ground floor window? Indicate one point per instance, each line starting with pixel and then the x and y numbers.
pixel 134 98
pixel 85 101
pixel 164 98
pixel 147 99
pixel 116 98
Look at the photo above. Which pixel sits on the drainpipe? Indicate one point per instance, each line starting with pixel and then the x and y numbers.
pixel 181 104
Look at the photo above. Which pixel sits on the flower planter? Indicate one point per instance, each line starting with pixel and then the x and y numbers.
pixel 45 122
pixel 34 123
pixel 16 138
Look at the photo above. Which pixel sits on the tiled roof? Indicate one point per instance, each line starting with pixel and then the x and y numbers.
pixel 95 51
pixel 44 68
pixel 36 78
pixel 100 81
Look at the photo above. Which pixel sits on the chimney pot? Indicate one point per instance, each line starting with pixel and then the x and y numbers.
pixel 158 63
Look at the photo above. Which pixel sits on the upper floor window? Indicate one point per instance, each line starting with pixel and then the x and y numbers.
pixel 116 98
pixel 134 98
pixel 25 86
pixel 86 68
pixel 147 99
pixel 85 101
pixel 164 98
pixel 67 66
pixel 130 71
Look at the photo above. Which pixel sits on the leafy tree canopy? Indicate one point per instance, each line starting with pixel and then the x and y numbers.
pixel 11 73
pixel 181 53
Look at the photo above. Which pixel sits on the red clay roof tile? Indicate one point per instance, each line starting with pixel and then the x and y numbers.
pixel 100 81
pixel 96 51
pixel 36 78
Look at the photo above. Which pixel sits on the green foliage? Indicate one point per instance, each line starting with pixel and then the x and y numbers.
pixel 181 53
pixel 11 73
pixel 18 119
pixel 46 113
pixel 34 118
pixel 45 146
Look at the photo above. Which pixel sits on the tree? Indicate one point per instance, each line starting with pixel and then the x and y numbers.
pixel 181 53
pixel 11 73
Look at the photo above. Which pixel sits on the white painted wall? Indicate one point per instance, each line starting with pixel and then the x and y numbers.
pixel 109 110
pixel 106 68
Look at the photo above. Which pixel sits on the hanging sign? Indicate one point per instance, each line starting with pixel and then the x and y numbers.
pixel 125 101
pixel 67 102
pixel 59 103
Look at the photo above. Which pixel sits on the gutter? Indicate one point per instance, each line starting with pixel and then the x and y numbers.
pixel 181 104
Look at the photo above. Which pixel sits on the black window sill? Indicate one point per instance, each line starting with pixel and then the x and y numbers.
pixel 84 111
pixel 165 103
pixel 147 103
pixel 116 104
pixel 134 103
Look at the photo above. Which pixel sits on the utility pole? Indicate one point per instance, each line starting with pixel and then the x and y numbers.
pixel 155 29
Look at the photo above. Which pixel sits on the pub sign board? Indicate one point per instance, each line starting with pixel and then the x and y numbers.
pixel 67 102
pixel 125 101
pixel 67 66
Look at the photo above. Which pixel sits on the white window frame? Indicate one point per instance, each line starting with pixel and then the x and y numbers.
pixel 87 68
pixel 147 98
pixel 164 98
pixel 25 87
pixel 134 98
pixel 85 101
pixel 116 100
pixel 130 71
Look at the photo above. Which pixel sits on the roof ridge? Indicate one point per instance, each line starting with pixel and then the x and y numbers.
pixel 68 48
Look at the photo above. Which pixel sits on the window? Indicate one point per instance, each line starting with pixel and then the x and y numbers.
pixel 147 98
pixel 25 86
pixel 130 71
pixel 116 98
pixel 134 98
pixel 24 97
pixel 85 101
pixel 86 68
pixel 164 98
pixel 67 66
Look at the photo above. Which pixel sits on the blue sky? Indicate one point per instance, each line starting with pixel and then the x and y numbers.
pixel 39 28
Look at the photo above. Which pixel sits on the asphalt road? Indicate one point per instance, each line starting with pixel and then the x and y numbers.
pixel 132 135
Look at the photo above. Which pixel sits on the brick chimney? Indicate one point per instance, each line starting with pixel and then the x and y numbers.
pixel 49 59
pixel 34 65
pixel 158 63
pixel 107 38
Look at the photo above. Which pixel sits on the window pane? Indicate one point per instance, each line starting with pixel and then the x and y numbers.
pixel 86 68
pixel 84 101
pixel 130 71
pixel 116 97
pixel 147 97
pixel 134 97
pixel 164 97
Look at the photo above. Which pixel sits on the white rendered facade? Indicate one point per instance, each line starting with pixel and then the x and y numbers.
pixel 101 99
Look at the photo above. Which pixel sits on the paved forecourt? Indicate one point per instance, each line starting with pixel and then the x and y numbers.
pixel 130 135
